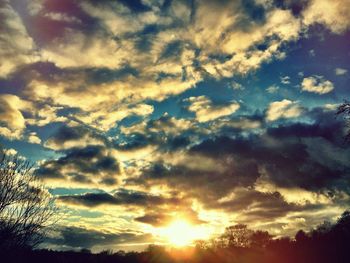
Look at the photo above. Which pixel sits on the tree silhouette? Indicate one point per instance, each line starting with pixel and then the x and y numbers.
pixel 260 239
pixel 25 206
pixel 237 236
pixel 301 237
pixel 344 110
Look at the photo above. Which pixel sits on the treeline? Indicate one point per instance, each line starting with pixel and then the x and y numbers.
pixel 328 243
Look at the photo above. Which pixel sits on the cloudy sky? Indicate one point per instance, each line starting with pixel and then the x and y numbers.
pixel 140 112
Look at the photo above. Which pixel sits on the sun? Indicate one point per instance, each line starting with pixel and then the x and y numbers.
pixel 181 233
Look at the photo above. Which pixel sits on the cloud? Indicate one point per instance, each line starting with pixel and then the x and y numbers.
pixel 165 124
pixel 285 80
pixel 11 118
pixel 312 53
pixel 121 197
pixel 10 151
pixel 259 171
pixel 120 20
pixel 17 48
pixel 262 206
pixel 172 50
pixel 323 125
pixel 42 115
pixel 17 114
pixel 157 218
pixel 33 138
pixel 317 84
pixel 102 105
pixel 340 71
pixel 73 135
pixel 154 219
pixel 238 124
pixel 278 24
pixel 73 237
pixel 190 25
pixel 61 17
pixel 334 14
pixel 35 6
pixel 173 41
pixel 236 86
pixel 283 109
pixel 297 154
pixel 205 110
pixel 272 89
pixel 88 166
pixel 193 172
pixel 79 50
pixel 169 134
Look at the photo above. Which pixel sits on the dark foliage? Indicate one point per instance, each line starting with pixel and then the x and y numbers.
pixel 344 110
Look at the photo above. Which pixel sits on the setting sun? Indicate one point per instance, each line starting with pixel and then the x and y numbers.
pixel 182 233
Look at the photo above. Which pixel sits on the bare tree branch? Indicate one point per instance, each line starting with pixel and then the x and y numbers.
pixel 26 208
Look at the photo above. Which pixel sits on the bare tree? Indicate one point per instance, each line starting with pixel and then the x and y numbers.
pixel 26 208
pixel 344 110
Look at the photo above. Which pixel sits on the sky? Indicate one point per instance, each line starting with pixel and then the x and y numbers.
pixel 145 114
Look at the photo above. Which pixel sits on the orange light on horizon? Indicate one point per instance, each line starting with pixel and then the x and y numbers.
pixel 181 233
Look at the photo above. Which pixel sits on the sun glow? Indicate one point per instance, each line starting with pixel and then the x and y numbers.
pixel 181 233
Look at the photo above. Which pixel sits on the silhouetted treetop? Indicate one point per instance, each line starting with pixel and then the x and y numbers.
pixel 344 110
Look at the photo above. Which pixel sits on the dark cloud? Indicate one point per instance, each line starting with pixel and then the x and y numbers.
pixel 163 217
pixel 159 210
pixel 258 206
pixel 178 142
pixel 323 125
pixel 73 134
pixel 309 155
pixel 82 158
pixel 76 238
pixel 207 186
pixel 153 219
pixel 285 152
pixel 136 141
pixel 167 132
pixel 296 6
pixel 89 199
pixel 121 197
pixel 105 75
pixel 287 163
pixel 171 134
pixel 83 165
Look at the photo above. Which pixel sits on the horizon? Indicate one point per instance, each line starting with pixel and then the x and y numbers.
pixel 166 121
